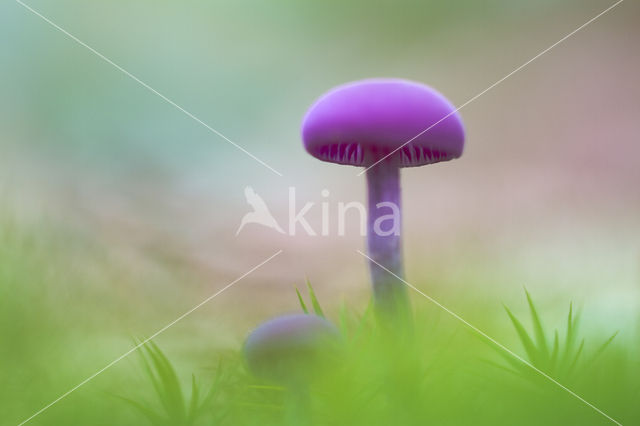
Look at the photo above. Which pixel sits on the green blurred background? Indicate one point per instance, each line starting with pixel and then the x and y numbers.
pixel 118 212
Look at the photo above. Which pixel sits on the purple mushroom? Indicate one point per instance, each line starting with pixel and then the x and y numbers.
pixel 383 125
pixel 288 348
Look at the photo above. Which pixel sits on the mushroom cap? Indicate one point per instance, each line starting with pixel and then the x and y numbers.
pixel 290 347
pixel 361 122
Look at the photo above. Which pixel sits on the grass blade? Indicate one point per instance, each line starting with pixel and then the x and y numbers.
pixel 576 358
pixel 517 365
pixel 301 300
pixel 362 320
pixel 526 341
pixel 213 389
pixel 314 301
pixel 175 406
pixel 571 337
pixel 147 366
pixel 602 348
pixel 192 413
pixel 554 352
pixel 516 371
pixel 541 340
pixel 147 412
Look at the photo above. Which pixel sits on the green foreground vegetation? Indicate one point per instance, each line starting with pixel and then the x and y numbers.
pixel 444 374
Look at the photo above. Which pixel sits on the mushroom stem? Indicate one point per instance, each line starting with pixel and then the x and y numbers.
pixel 384 238
pixel 297 408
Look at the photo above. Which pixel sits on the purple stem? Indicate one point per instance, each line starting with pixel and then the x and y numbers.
pixel 383 184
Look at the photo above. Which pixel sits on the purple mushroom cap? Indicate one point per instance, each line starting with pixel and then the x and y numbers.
pixel 289 347
pixel 361 122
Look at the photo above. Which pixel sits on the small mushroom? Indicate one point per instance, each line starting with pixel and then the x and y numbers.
pixel 383 125
pixel 290 348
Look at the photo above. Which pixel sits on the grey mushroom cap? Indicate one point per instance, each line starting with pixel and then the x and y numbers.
pixel 290 347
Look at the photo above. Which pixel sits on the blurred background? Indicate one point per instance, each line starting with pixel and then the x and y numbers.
pixel 119 212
